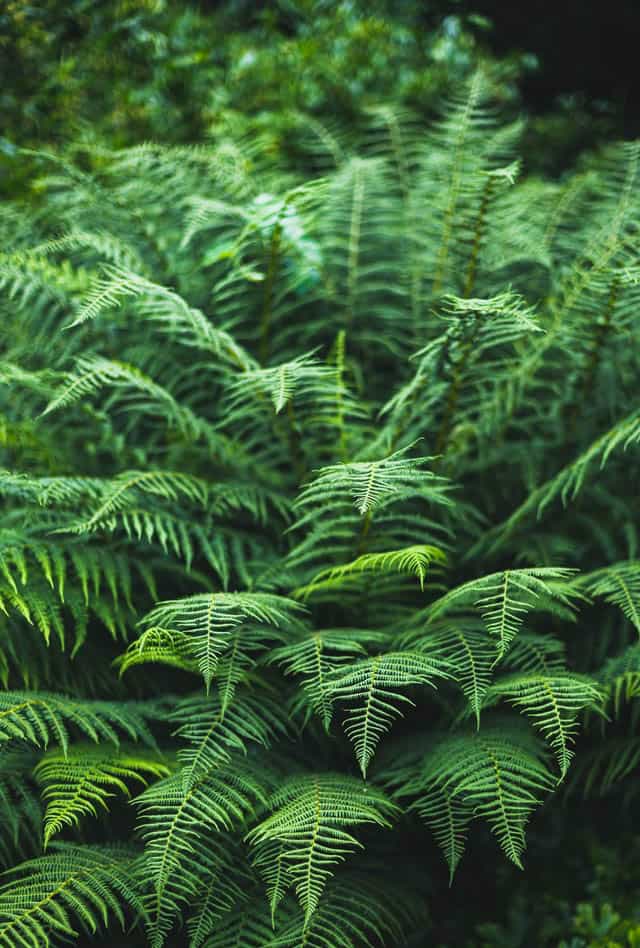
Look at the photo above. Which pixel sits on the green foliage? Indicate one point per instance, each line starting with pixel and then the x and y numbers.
pixel 318 528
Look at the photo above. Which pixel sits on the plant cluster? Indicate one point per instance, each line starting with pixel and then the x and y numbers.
pixel 318 526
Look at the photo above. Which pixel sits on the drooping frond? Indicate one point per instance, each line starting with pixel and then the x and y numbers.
pixel 496 775
pixel 71 891
pixel 204 622
pixel 305 835
pixel 504 599
pixel 177 823
pixel 315 655
pixel 371 690
pixel 20 807
pixel 553 703
pixel 80 782
pixel 415 560
pixel 618 584
pixel 466 651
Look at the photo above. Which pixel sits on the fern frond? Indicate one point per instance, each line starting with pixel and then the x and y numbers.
pixel 369 484
pixel 553 703
pixel 492 775
pixel 315 656
pixel 176 824
pixel 370 687
pixel 465 650
pixel 214 731
pixel 39 717
pixel 504 599
pixel 415 560
pixel 307 823
pixel 206 621
pixel 77 783
pixel 618 584
pixel 83 886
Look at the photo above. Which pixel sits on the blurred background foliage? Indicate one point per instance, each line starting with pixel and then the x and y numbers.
pixel 174 71
pixel 119 72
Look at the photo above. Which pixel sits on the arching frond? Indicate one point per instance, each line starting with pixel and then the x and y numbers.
pixel 370 688
pixel 495 775
pixel 504 599
pixel 553 702
pixel 203 623
pixel 39 718
pixel 78 783
pixel 415 560
pixel 72 890
pixel 176 823
pixel 305 834
pixel 618 584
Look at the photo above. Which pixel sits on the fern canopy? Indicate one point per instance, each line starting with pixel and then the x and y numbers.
pixel 319 523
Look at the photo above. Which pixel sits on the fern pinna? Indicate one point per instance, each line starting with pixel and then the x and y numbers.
pixel 318 526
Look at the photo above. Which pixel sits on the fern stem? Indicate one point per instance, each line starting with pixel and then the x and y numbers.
pixel 599 340
pixel 267 303
pixel 295 446
pixel 472 268
pixel 340 370
pixel 354 243
pixel 453 396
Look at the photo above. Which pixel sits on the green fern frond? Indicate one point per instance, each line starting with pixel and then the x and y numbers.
pixel 315 656
pixel 494 775
pixel 78 783
pixel 39 717
pixel 465 650
pixel 369 484
pixel 370 687
pixel 307 823
pixel 206 621
pixel 214 731
pixel 504 599
pixel 176 824
pixel 73 890
pixel 618 584
pixel 415 560
pixel 553 702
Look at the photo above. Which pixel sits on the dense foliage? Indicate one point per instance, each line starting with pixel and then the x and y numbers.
pixel 318 531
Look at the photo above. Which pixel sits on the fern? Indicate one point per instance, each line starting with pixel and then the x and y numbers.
pixel 73 886
pixel 493 775
pixel 76 784
pixel 370 687
pixel 307 826
pixel 288 467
